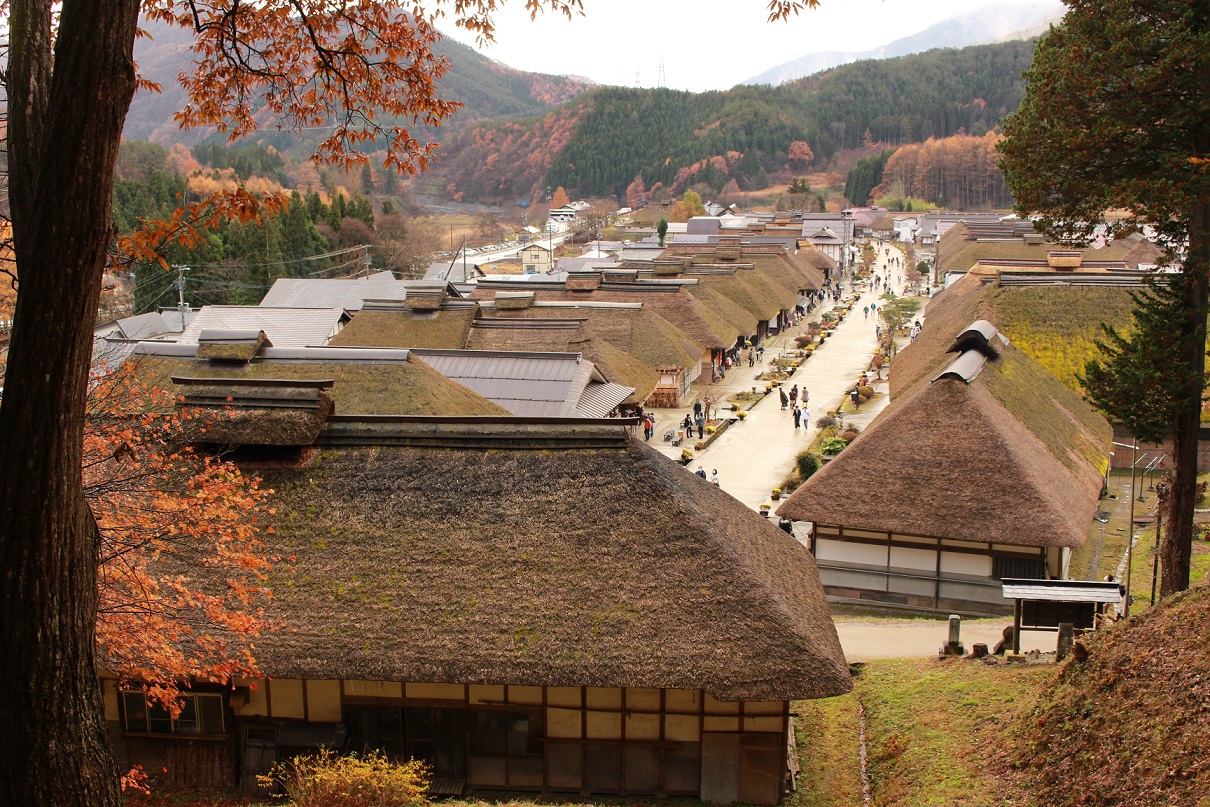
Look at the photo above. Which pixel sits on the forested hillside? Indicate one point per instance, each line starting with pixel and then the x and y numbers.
pixel 488 89
pixel 599 143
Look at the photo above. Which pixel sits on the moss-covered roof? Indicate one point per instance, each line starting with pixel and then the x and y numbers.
pixel 602 566
pixel 430 329
pixel 393 388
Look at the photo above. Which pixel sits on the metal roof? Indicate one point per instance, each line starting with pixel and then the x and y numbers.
pixel 285 327
pixel 526 384
pixel 1063 590
pixel 290 292
pixel 964 368
pixel 599 400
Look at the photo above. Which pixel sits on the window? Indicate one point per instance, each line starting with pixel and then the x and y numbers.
pixel 507 748
pixel 202 713
pixel 1022 568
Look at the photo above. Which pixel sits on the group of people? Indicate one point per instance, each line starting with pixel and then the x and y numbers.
pixel 713 475
pixel 789 400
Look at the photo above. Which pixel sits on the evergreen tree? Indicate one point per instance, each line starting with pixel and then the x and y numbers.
pixel 661 230
pixel 1117 115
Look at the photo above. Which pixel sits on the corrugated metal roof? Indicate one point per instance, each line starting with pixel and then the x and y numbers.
pixel 289 292
pixel 964 368
pixel 1063 591
pixel 526 384
pixel 599 400
pixel 285 327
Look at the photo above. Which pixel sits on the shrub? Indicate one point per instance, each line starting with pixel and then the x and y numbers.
pixel 804 340
pixel 865 393
pixel 776 491
pixel 699 445
pixel 327 779
pixel 832 445
pixel 849 435
pixel 826 421
pixel 686 455
pixel 741 414
pixel 808 464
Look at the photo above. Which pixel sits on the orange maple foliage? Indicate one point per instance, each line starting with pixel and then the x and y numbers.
pixel 559 198
pixel 182 567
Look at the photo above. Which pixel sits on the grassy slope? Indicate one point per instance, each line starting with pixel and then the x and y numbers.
pixel 1131 723
pixel 828 749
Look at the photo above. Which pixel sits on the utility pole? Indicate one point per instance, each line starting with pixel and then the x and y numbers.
pixel 180 291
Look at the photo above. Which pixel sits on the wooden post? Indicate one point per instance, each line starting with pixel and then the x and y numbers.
pixel 1017 626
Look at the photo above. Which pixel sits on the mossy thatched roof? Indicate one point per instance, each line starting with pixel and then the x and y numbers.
pixel 392 388
pixel 605 566
pixel 429 329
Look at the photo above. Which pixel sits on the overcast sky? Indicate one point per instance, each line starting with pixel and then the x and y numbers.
pixel 705 44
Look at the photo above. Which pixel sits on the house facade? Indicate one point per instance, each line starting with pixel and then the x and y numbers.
pixel 545 605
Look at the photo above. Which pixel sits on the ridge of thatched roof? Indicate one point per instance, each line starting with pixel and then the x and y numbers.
pixel 442 328
pixel 990 449
pixel 369 385
pixel 606 565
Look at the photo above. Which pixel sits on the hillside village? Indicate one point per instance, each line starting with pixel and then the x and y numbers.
pixel 759 477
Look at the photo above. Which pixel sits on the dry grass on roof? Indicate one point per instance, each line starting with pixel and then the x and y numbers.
pixel 953 461
pixel 606 567
pixel 550 340
pixel 1056 326
pixel 413 388
pixel 437 329
pixel 739 319
pixel 1062 420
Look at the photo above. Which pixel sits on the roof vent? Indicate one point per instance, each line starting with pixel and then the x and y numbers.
pixel 425 299
pixel 583 281
pixel 1034 239
pixel 965 368
pixel 393 304
pixel 230 344
pixel 1064 260
pixel 514 299
pixel 982 336
pixel 254 411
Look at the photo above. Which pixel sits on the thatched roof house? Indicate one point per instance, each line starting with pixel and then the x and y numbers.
pixel 363 382
pixel 567 611
pixel 986 467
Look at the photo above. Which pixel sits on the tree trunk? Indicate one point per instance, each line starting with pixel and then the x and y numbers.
pixel 1176 546
pixel 64 132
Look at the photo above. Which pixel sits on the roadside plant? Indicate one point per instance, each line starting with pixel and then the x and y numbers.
pixel 327 779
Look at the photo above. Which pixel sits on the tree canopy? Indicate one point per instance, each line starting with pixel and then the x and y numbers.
pixel 1116 116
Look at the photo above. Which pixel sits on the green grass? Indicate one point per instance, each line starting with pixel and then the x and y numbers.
pixel 930 724
pixel 828 753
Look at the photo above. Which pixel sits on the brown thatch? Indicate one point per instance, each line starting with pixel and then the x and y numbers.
pixel 606 566
pixel 390 388
pixel 960 248
pixel 1011 457
pixel 262 412
pixel 428 329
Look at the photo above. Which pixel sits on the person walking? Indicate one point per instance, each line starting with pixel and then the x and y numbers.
pixel 714 477
pixel 797 417
pixel 784 398
pixel 806 418
pixel 701 427
pixel 700 472
pixel 648 427
pixel 794 395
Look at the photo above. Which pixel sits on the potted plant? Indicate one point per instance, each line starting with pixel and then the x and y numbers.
pixel 765 508
pixel 776 494
pixel 742 414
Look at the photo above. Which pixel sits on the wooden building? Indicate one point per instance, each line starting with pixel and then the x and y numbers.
pixel 985 468
pixel 546 605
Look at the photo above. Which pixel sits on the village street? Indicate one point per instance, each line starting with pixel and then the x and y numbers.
pixel 754 456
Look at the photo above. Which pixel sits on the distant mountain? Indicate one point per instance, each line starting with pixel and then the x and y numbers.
pixel 598 143
pixel 487 88
pixel 1000 23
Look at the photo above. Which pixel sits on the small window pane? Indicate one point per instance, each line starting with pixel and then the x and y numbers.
pixel 136 711
pixel 186 721
pixel 210 714
pixel 159 720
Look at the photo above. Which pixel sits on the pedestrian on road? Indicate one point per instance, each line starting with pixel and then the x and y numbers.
pixel 697 408
pixel 866 311
pixel 784 399
pixel 648 427
pixel 714 477
pixel 797 417
pixel 701 472
pixel 687 425
pixel 701 427
pixel 794 395
pixel 785 525
pixel 806 418
pixel 751 357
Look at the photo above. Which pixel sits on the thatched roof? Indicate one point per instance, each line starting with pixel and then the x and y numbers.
pixel 408 329
pixel 415 559
pixel 965 244
pixel 364 382
pixel 976 448
pixel 1056 326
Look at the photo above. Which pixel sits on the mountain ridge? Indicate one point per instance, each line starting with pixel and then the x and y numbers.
pixel 1015 21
